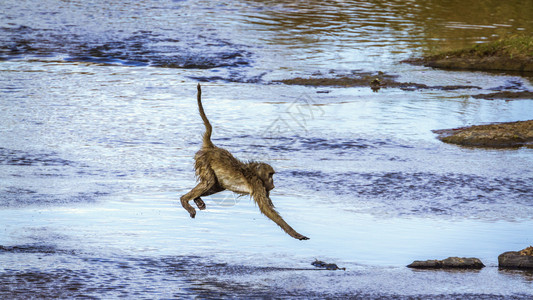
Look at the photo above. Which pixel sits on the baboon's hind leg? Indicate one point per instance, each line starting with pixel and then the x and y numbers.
pixel 200 203
pixel 215 189
pixel 196 192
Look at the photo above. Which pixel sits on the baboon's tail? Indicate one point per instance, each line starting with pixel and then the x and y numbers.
pixel 208 129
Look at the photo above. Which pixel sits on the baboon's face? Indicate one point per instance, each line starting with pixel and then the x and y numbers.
pixel 266 172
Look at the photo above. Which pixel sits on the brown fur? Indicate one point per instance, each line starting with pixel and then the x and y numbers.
pixel 217 170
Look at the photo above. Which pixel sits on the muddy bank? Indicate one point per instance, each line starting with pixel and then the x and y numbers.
pixel 501 135
pixel 379 80
pixel 510 54
pixel 374 80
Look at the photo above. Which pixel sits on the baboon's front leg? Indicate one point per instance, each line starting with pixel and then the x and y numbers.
pixel 195 193
pixel 267 208
pixel 215 189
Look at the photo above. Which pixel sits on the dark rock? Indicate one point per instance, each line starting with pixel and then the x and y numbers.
pixel 466 263
pixel 448 263
pixel 323 265
pixel 517 259
pixel 426 264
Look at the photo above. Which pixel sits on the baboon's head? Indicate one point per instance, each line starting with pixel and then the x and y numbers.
pixel 266 173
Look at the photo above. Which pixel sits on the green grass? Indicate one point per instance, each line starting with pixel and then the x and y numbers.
pixel 516 46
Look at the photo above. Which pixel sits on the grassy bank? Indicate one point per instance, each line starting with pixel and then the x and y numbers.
pixel 513 53
pixel 517 46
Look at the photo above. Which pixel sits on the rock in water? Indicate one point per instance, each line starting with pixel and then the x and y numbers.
pixel 323 265
pixel 426 264
pixel 465 263
pixel 522 259
pixel 448 263
pixel 499 135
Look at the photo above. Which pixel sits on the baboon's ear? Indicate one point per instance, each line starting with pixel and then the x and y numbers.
pixel 257 166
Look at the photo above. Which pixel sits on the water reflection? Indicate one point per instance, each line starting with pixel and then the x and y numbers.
pixel 526 274
pixel 453 22
pixel 350 33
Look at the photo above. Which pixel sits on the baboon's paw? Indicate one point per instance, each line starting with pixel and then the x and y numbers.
pixel 200 203
pixel 300 237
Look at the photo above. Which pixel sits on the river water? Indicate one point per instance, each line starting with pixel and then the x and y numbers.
pixel 99 125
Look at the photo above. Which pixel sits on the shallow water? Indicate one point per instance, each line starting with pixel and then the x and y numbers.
pixel 99 126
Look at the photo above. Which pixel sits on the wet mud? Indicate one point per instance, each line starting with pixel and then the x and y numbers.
pixel 507 95
pixel 422 194
pixel 14 197
pixel 51 272
pixel 231 77
pixel 374 80
pixel 32 178
pixel 501 135
pixel 138 48
pixel 23 158
pixel 336 145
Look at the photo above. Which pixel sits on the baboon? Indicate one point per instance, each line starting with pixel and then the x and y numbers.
pixel 217 170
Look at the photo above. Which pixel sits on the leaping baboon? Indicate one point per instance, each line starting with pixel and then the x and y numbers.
pixel 217 170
